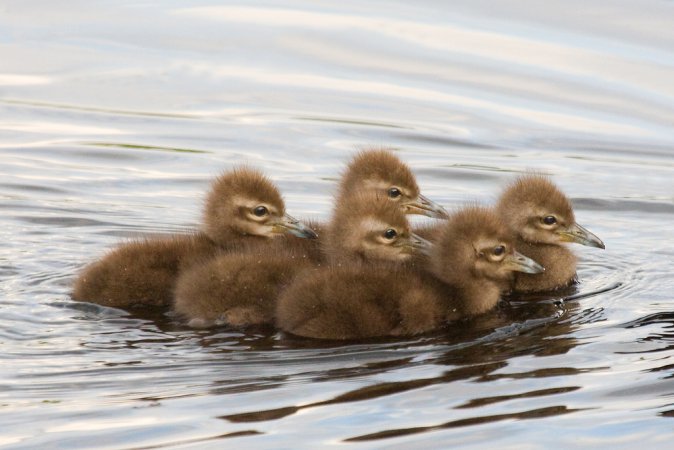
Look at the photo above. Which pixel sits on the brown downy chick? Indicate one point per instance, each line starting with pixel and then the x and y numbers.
pixel 381 172
pixel 375 172
pixel 242 207
pixel 236 289
pixel 370 228
pixel 241 289
pixel 243 204
pixel 475 253
pixel 541 218
pixel 473 256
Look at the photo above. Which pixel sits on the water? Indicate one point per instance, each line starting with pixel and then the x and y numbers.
pixel 114 115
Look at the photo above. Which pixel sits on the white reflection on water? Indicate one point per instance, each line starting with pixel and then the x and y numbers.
pixel 8 79
pixel 57 128
pixel 502 111
pixel 608 61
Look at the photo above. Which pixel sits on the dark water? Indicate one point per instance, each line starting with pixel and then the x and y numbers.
pixel 114 115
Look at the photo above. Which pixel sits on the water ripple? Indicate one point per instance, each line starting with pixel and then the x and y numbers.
pixel 549 411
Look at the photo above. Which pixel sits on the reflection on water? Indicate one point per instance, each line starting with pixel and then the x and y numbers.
pixel 113 117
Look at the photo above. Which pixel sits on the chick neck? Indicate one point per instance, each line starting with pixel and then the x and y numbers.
pixel 558 260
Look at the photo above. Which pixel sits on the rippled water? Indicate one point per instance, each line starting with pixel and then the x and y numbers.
pixel 114 115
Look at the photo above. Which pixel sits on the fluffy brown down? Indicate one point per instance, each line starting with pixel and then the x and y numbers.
pixel 140 273
pixel 376 165
pixel 241 289
pixel 223 203
pixel 345 235
pixel 143 273
pixel 352 302
pixel 521 206
pixel 237 289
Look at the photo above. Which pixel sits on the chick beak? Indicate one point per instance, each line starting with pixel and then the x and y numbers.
pixel 517 262
pixel 415 244
pixel 288 224
pixel 576 233
pixel 426 207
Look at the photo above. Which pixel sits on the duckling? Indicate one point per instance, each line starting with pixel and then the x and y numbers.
pixel 242 207
pixel 370 228
pixel 236 289
pixel 376 172
pixel 542 221
pixel 382 172
pixel 473 255
pixel 240 289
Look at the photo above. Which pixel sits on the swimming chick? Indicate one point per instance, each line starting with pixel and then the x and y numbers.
pixel 472 257
pixel 542 220
pixel 241 289
pixel 370 228
pixel 242 207
pixel 381 172
pixel 370 172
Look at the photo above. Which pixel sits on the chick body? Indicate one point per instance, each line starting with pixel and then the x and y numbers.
pixel 237 289
pixel 241 289
pixel 142 273
pixel 542 220
pixel 375 184
pixel 354 302
pixel 472 257
pixel 376 172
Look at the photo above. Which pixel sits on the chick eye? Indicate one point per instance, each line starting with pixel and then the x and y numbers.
pixel 394 192
pixel 260 211
pixel 498 250
pixel 390 234
pixel 549 220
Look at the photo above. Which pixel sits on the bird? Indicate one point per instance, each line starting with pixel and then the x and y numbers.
pixel 473 255
pixel 541 220
pixel 375 171
pixel 372 171
pixel 380 171
pixel 242 208
pixel 370 228
pixel 236 289
pixel 240 289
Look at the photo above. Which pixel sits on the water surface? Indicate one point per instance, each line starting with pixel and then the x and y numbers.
pixel 114 116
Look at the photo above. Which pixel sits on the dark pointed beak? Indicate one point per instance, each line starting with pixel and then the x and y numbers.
pixel 426 207
pixel 288 224
pixel 576 233
pixel 420 244
pixel 517 262
pixel 416 244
